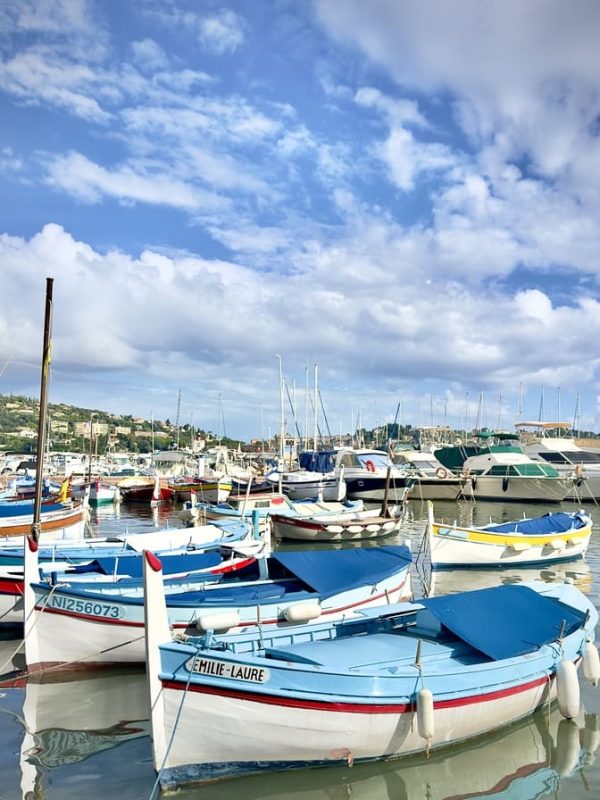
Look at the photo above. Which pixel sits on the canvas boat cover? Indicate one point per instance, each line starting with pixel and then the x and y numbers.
pixel 321 461
pixel 131 564
pixel 505 621
pixel 560 522
pixel 329 572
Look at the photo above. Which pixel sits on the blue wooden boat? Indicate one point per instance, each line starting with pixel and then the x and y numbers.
pixel 400 680
pixel 103 622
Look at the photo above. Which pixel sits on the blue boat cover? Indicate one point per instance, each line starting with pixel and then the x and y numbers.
pixel 505 621
pixel 331 571
pixel 20 508
pixel 321 461
pixel 548 523
pixel 131 564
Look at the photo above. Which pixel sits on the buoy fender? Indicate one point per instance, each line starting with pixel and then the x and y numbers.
pixel 302 612
pixel 425 722
pixel 567 689
pixel 218 622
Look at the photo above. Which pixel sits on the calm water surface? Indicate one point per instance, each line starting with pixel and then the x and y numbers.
pixel 87 735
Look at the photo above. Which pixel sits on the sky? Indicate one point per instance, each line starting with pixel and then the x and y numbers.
pixel 404 192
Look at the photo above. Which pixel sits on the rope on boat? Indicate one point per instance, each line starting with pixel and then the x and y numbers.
pixel 22 642
pixel 417 562
pixel 173 732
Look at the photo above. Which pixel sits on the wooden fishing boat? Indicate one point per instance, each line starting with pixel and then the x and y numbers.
pixel 103 623
pixel 211 490
pixel 348 526
pixel 58 520
pixel 550 538
pixel 266 504
pixel 402 679
pixel 124 571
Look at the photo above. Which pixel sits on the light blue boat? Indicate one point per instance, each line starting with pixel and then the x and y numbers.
pixel 401 680
pixel 102 622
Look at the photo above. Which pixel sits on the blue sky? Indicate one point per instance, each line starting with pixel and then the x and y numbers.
pixel 404 192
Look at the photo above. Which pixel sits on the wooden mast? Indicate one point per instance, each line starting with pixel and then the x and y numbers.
pixel 41 437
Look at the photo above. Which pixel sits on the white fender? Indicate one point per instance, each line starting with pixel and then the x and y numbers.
pixel 425 721
pixel 591 663
pixel 567 689
pixel 566 757
pixel 218 622
pixel 334 529
pixel 355 529
pixel 302 612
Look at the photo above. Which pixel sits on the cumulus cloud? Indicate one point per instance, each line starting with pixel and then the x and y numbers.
pixel 457 335
pixel 222 32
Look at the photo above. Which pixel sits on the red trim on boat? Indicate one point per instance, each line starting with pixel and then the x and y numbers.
pixel 350 708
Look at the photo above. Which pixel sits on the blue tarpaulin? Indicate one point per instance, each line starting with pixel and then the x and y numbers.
pixel 548 523
pixel 505 621
pixel 331 571
pixel 132 564
pixel 321 461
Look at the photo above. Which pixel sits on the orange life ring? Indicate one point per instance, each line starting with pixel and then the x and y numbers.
pixel 441 473
pixel 370 466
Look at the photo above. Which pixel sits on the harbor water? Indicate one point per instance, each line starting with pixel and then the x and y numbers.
pixel 72 735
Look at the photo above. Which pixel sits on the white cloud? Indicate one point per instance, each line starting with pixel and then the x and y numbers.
pixel 89 181
pixel 524 75
pixel 149 55
pixel 362 304
pixel 223 32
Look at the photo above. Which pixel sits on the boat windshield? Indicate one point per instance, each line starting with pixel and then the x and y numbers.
pixel 574 457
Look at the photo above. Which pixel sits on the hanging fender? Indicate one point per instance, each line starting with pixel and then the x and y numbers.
pixel 567 689
pixel 425 714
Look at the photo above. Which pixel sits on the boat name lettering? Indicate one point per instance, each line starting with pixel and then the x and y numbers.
pixel 224 669
pixel 85 607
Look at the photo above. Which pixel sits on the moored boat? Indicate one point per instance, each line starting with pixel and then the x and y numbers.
pixel 549 538
pixel 104 623
pixel 403 679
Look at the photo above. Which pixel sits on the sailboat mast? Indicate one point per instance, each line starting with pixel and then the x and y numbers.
pixel 315 410
pixel 281 416
pixel 41 437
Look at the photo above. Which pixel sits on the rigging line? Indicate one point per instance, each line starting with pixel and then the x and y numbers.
pixel 324 415
pixel 312 408
pixel 293 410
pixel 173 732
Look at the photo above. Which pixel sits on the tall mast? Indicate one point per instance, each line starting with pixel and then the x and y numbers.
pixel 281 416
pixel 177 416
pixel 41 437
pixel 316 409
pixel 306 407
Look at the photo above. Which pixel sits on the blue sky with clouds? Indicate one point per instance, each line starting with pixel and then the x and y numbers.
pixel 406 192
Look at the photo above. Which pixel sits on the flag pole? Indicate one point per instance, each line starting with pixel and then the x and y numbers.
pixel 42 421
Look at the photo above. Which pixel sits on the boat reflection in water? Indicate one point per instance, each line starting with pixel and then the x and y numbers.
pixel 524 762
pixel 70 718
pixel 461 580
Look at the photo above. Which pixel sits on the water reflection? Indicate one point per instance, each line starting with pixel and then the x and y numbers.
pixel 526 761
pixel 459 580
pixel 68 718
